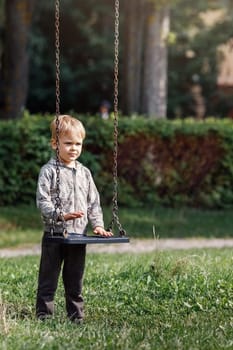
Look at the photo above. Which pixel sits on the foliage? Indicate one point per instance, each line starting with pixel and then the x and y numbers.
pixel 190 34
pixel 164 300
pixel 87 63
pixel 170 162
pixel 86 31
pixel 178 162
pixel 21 143
pixel 87 41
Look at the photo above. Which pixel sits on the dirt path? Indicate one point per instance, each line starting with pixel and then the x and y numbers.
pixel 135 246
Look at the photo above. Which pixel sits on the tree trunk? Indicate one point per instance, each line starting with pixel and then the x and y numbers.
pixel 18 14
pixel 155 62
pixel 133 49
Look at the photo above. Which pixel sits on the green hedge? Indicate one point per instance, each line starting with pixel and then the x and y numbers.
pixel 168 162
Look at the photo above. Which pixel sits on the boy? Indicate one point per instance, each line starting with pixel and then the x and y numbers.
pixel 80 203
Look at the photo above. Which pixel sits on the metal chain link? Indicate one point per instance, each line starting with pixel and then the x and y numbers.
pixel 57 66
pixel 58 204
pixel 115 218
pixel 57 55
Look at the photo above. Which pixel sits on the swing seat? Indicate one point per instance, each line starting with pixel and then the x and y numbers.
pixel 74 238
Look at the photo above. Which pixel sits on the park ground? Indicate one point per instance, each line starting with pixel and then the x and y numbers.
pixel 135 246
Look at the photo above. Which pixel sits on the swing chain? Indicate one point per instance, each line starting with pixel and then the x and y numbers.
pixel 58 204
pixel 115 218
pixel 57 55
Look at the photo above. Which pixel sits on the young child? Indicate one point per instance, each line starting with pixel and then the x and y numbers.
pixel 80 203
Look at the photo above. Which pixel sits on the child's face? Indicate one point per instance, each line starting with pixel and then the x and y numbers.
pixel 70 148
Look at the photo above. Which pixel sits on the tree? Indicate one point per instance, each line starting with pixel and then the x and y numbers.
pixel 86 56
pixel 155 62
pixel 145 59
pixel 133 54
pixel 18 18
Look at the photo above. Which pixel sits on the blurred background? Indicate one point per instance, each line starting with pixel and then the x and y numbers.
pixel 176 57
pixel 175 108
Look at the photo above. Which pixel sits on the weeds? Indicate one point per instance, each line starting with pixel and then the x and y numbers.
pixel 4 325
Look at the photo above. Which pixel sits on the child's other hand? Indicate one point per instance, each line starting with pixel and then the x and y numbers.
pixel 72 216
pixel 102 232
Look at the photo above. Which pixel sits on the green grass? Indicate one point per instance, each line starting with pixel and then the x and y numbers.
pixel 164 300
pixel 182 222
pixel 21 225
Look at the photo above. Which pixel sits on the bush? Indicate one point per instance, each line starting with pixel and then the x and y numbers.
pixel 172 162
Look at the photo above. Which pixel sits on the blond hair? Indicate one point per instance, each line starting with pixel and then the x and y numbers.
pixel 67 124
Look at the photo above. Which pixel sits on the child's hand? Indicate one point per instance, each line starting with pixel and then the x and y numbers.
pixel 102 232
pixel 72 216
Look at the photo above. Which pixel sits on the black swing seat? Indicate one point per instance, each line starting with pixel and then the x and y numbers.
pixel 74 238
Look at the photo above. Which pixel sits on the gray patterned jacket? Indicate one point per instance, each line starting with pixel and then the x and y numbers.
pixel 77 192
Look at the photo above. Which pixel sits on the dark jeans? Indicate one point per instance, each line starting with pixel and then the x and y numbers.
pixel 53 255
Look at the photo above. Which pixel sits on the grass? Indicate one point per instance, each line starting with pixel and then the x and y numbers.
pixel 21 225
pixel 161 300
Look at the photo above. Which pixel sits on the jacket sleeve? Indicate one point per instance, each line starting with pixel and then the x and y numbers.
pixel 94 210
pixel 43 195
